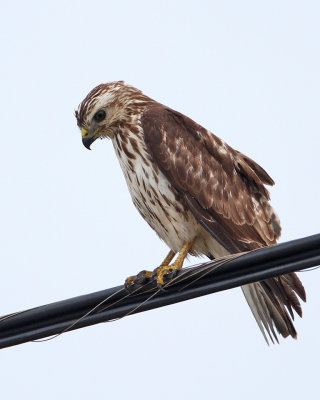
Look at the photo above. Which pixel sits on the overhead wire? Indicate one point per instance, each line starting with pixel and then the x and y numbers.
pixel 114 303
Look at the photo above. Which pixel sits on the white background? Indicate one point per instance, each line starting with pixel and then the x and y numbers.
pixel 249 71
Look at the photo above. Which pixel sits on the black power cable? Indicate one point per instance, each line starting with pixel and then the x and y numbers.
pixel 113 303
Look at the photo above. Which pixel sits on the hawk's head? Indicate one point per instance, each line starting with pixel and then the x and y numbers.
pixel 105 108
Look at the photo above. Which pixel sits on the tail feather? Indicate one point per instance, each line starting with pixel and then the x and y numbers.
pixel 272 302
pixel 294 282
pixel 259 309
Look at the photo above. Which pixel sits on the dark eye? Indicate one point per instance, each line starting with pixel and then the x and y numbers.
pixel 99 116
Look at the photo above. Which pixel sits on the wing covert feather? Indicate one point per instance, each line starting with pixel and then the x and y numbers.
pixel 223 188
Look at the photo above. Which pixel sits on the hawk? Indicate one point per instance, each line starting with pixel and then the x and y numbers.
pixel 200 195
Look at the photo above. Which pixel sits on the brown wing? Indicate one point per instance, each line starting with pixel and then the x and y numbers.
pixel 223 188
pixel 225 192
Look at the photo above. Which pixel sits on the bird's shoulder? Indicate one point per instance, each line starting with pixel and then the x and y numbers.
pixel 219 182
pixel 165 128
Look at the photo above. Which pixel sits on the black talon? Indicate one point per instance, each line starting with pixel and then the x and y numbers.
pixel 128 286
pixel 161 287
pixel 142 278
pixel 174 273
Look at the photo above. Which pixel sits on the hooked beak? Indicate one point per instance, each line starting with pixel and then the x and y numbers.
pixel 87 139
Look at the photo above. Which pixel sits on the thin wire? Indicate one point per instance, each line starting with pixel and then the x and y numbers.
pixel 210 269
pixel 93 309
pixel 51 316
pixel 78 320
pixel 308 269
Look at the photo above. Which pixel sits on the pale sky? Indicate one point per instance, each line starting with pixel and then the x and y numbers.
pixel 249 71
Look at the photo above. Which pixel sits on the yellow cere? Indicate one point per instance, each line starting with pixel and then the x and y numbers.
pixel 84 132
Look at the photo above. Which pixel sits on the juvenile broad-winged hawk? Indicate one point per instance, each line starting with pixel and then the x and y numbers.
pixel 201 196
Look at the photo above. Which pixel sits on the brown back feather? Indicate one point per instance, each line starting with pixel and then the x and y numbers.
pixel 225 191
pixel 225 185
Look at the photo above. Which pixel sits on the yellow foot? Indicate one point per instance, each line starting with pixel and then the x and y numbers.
pixel 165 270
pixel 140 279
pixel 159 273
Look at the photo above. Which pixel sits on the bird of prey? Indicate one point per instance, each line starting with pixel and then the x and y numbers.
pixel 200 195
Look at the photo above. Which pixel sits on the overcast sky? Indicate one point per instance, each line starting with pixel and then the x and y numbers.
pixel 247 70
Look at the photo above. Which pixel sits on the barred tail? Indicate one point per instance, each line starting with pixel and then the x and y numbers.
pixel 272 302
